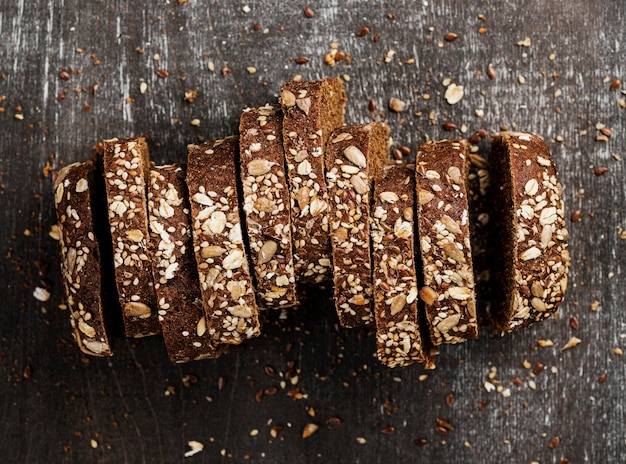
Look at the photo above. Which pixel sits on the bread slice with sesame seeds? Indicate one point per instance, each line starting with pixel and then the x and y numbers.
pixel 312 110
pixel 443 226
pixel 181 313
pixel 84 262
pixel 398 338
pixel 225 282
pixel 530 256
pixel 266 205
pixel 126 170
pixel 354 155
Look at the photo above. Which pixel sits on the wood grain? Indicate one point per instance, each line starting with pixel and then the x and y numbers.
pixel 135 406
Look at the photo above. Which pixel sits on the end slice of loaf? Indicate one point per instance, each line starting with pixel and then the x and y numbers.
pixel 312 110
pixel 398 338
pixel 225 281
pixel 266 204
pixel 530 255
pixel 181 313
pixel 443 226
pixel 126 168
pixel 354 154
pixel 81 267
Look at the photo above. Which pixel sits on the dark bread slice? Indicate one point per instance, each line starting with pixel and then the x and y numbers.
pixel 398 338
pixel 530 255
pixel 443 226
pixel 266 205
pixel 354 155
pixel 81 267
pixel 181 313
pixel 312 110
pixel 126 171
pixel 225 281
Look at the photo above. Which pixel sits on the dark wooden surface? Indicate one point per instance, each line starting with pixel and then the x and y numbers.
pixel 135 406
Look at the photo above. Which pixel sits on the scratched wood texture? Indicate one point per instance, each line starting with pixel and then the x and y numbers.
pixel 57 406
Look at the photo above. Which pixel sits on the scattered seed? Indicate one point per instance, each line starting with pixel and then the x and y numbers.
pixel 162 73
pixel 554 442
pixel 517 381
pixel 27 372
pixel 64 75
pixel 269 370
pixel 333 420
pixel 527 42
pixel 397 105
pixel 454 94
pixel 615 84
pixel 309 429
pixel 538 368
pixel 195 446
pixel 449 126
pixel 195 122
pixel 491 73
pixel 221 383
pixel 521 79
pixel 302 60
pixel 397 154
pixel 450 399
pixel 308 12
pixel 601 171
pixel 573 322
pixel 451 37
pixel 572 342
pixel 388 429
pixel 421 441
pixel 372 105
pixel 361 440
pixel 606 131
pixel 441 430
pixel 602 378
pixel 363 31
pixel 576 216
pixel 618 351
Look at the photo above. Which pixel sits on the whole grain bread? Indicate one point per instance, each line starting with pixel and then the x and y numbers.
pixel 312 110
pixel 266 205
pixel 443 226
pixel 354 155
pixel 181 313
pixel 225 282
pixel 126 168
pixel 83 269
pixel 530 256
pixel 398 337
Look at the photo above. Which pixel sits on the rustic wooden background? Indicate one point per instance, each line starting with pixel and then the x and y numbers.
pixel 70 75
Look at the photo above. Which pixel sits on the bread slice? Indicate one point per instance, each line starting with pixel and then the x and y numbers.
pixel 312 110
pixel 354 154
pixel 398 338
pixel 88 302
pixel 177 286
pixel 530 255
pixel 225 281
pixel 266 204
pixel 443 226
pixel 126 167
